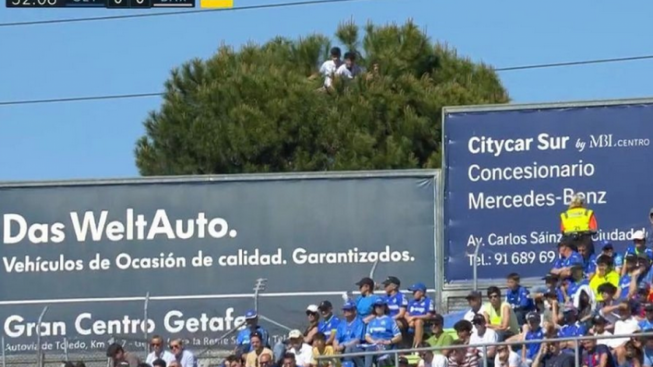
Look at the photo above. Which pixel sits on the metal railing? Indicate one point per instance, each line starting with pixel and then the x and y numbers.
pixel 395 353
pixel 138 344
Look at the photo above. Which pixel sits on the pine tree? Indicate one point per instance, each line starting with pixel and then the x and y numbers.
pixel 259 109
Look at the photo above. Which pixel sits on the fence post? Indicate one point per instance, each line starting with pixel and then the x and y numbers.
pixel 475 267
pixel 39 356
pixel 258 287
pixel 485 362
pixel 576 354
pixel 65 348
pixel 146 322
pixel 4 353
pixel 109 359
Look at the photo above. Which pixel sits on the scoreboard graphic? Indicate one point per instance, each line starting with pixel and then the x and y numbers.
pixel 120 4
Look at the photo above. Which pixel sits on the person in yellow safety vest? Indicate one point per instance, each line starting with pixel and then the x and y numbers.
pixel 578 220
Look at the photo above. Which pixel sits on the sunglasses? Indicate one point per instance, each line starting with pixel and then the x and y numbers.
pixel 174 346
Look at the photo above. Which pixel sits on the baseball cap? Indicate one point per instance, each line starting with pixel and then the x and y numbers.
pixel 349 305
pixel 380 302
pixel 417 287
pixel 250 314
pixel 474 295
pixel 364 281
pixel 437 319
pixel 312 308
pixel 607 246
pixel 569 308
pixel 294 334
pixel 639 235
pixel 325 305
pixel 392 280
pixel 532 316
pixel 598 319
pixel 478 319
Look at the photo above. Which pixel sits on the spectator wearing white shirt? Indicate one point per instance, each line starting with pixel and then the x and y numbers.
pixel 475 301
pixel 302 351
pixel 624 327
pixel 182 356
pixel 349 70
pixel 429 359
pixel 598 328
pixel 158 351
pixel 483 335
pixel 507 358
pixel 329 67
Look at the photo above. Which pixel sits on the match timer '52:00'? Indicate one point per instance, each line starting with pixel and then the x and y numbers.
pixel 118 4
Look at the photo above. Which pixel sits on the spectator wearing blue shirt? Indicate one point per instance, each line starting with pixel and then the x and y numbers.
pixel 647 271
pixel 571 326
pixel 568 257
pixel 242 340
pixel 518 297
pixel 397 301
pixel 647 322
pixel 329 322
pixel 617 259
pixel 365 302
pixel 589 260
pixel 551 285
pixel 638 247
pixel 421 310
pixel 382 333
pixel 183 357
pixel 574 287
pixel 597 355
pixel 627 287
pixel 349 334
pixel 533 331
pixel 647 350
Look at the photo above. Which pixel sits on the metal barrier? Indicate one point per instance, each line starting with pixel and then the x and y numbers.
pixel 395 353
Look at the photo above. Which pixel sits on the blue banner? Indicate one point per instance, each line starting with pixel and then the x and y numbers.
pixel 510 173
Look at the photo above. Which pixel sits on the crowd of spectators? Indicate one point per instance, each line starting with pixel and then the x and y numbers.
pixel 160 356
pixel 587 292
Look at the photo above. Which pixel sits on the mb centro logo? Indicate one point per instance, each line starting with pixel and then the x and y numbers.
pixel 601 141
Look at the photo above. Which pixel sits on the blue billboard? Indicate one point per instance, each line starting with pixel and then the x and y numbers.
pixel 510 172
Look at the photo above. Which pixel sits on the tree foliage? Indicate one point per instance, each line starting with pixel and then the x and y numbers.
pixel 258 110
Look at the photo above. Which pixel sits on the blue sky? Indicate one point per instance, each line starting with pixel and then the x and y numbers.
pixel 96 139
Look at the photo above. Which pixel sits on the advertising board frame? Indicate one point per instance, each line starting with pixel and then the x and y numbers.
pixel 430 174
pixel 459 289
